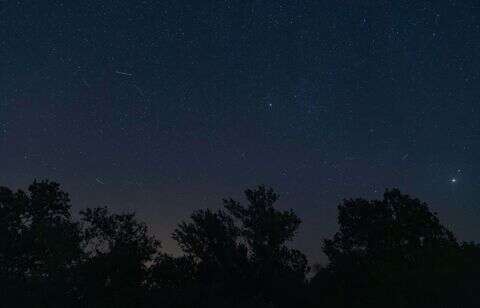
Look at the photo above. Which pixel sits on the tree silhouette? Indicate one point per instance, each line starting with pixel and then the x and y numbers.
pixel 173 282
pixel 392 252
pixel 387 252
pixel 40 245
pixel 12 263
pixel 277 271
pixel 212 240
pixel 119 248
pixel 466 282
pixel 240 254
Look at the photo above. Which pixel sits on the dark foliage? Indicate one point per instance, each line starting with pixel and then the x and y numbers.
pixel 40 246
pixel 118 249
pixel 392 253
pixel 387 253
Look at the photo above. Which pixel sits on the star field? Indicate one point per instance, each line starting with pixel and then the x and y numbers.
pixel 163 107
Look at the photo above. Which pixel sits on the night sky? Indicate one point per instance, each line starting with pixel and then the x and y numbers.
pixel 163 107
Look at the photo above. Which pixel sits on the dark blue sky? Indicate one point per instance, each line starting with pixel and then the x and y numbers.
pixel 163 107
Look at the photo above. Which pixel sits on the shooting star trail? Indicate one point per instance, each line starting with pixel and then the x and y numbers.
pixel 123 73
pixel 139 90
pixel 85 83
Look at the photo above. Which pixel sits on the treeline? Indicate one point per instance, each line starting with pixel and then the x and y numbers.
pixel 387 253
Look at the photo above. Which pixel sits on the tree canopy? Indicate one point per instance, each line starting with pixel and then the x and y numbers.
pixel 392 252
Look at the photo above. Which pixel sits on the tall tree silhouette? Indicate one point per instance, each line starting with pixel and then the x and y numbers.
pixel 40 245
pixel 212 240
pixel 119 248
pixel 241 254
pixel 387 252
pixel 278 271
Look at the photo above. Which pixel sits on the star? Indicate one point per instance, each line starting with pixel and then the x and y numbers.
pixel 453 180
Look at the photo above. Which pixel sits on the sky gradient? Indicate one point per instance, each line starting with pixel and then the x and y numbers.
pixel 163 107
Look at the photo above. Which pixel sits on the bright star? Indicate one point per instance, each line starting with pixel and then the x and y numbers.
pixel 454 180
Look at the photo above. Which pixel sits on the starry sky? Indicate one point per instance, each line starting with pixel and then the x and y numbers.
pixel 163 107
